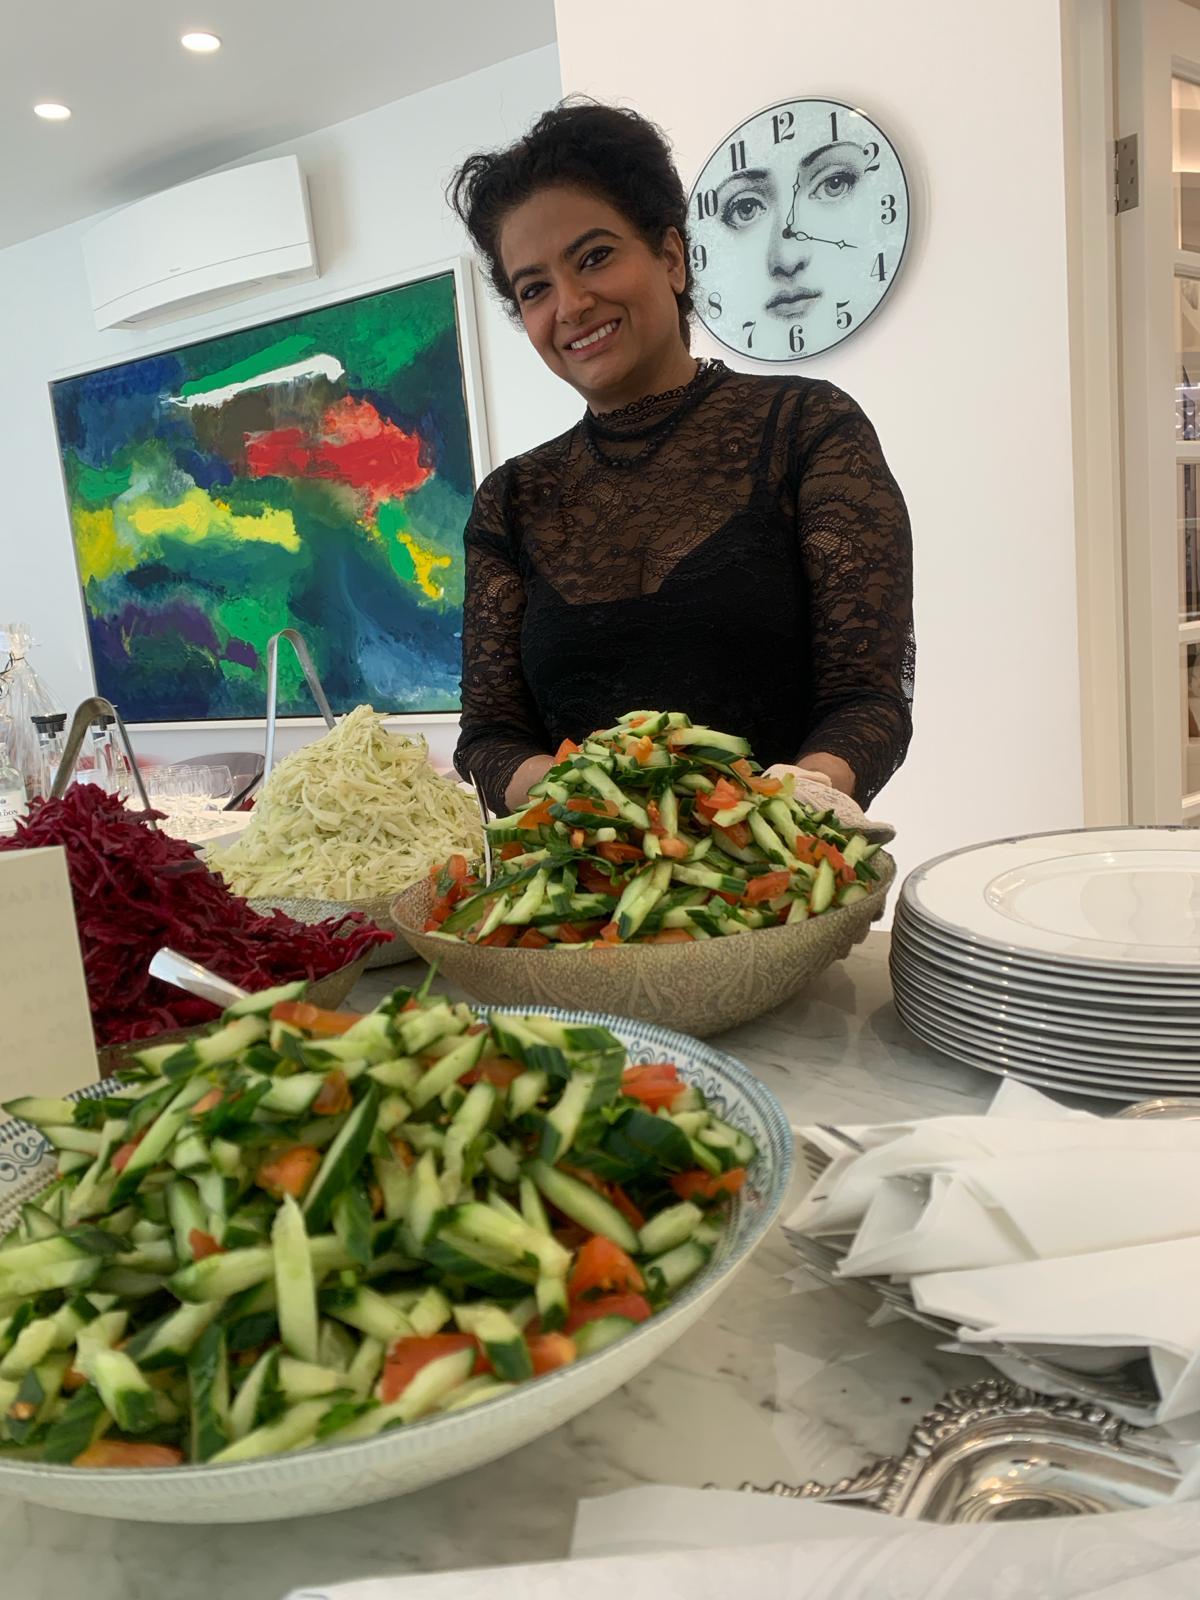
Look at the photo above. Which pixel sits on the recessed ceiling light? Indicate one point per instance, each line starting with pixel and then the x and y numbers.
pixel 202 43
pixel 52 111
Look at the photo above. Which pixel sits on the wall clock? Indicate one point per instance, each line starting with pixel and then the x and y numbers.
pixel 798 224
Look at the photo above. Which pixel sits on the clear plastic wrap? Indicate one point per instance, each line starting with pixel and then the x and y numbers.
pixel 23 696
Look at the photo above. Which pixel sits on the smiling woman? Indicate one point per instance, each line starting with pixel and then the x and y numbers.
pixel 727 545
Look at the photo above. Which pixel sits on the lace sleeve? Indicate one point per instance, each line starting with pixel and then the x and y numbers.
pixel 499 726
pixel 856 546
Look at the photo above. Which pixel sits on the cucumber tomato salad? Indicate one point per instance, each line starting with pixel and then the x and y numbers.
pixel 658 832
pixel 308 1226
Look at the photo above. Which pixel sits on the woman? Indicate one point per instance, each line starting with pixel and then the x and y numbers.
pixel 704 541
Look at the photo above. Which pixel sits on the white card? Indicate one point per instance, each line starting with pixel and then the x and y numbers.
pixel 46 1043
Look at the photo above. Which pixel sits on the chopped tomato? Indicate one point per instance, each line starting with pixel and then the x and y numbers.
pixel 602 1267
pixel 125 1453
pixel 578 838
pixel 636 722
pixel 708 1185
pixel 73 1379
pixel 765 785
pixel 634 1306
pixel 290 1171
pixel 203 1244
pixel 457 869
pixel 738 834
pixel 595 881
pixel 207 1102
pixel 550 1350
pixel 533 939
pixel 625 1206
pixel 124 1154
pixel 619 853
pixel 641 749
pixel 610 933
pixel 674 849
pixel 401 1149
pixel 500 937
pixel 766 887
pixel 508 851
pixel 333 1097
pixel 537 816
pixel 568 933
pixel 588 807
pixel 670 936
pixel 498 1070
pixel 567 748
pixel 722 797
pixel 313 1019
pixel 375 1195
pixel 729 899
pixel 407 1356
pixel 654 1085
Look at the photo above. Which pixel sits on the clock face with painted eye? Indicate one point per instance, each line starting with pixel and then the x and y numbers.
pixel 797 227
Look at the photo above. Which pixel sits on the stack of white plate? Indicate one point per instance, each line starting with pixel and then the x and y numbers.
pixel 1066 960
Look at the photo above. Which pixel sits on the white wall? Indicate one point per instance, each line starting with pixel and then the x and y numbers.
pixel 965 373
pixel 376 186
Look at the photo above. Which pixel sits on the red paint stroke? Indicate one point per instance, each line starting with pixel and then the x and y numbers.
pixel 357 447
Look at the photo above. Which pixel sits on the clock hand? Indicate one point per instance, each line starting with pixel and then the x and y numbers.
pixel 839 244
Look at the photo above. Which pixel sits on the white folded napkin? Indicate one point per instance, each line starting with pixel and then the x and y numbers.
pixel 1056 1234
pixel 1145 1297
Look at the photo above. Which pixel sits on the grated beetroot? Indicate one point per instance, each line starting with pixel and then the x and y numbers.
pixel 136 889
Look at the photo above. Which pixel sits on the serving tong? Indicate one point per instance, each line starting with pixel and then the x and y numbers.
pixel 86 713
pixel 304 657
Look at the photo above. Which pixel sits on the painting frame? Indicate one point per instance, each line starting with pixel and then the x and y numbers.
pixel 462 271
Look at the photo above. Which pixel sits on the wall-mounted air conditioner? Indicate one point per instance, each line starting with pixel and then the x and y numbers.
pixel 202 244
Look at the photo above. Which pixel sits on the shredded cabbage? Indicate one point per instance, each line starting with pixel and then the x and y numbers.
pixel 357 813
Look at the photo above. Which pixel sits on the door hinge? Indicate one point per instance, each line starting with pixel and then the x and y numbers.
pixel 1125 173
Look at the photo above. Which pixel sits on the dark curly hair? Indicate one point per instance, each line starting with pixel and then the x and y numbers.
pixel 614 154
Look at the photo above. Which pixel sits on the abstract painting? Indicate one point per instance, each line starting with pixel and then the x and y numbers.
pixel 314 472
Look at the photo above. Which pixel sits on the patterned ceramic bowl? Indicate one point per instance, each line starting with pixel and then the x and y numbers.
pixel 703 987
pixel 334 1477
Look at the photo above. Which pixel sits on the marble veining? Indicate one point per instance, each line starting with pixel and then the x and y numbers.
pixel 780 1379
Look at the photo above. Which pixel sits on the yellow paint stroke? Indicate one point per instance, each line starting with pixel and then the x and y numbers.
pixel 101 553
pixel 198 516
pixel 424 561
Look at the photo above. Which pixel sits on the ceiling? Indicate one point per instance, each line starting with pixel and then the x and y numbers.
pixel 148 114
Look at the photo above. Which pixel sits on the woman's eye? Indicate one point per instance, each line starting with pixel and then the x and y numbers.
pixel 835 185
pixel 530 291
pixel 596 256
pixel 742 210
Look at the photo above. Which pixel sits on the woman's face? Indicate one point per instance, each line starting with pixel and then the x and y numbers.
pixel 597 303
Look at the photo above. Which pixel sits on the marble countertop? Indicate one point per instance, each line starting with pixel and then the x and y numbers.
pixel 781 1379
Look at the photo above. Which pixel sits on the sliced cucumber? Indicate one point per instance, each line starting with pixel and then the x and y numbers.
pixel 583 1205
pixel 295 1284
pixel 262 1003
pixel 669 1228
pixel 599 1334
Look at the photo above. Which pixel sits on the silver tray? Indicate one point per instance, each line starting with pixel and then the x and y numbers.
pixel 996 1452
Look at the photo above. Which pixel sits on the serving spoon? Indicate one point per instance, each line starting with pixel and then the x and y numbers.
pixel 181 972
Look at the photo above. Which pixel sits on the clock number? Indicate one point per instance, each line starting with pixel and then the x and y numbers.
pixel 796 338
pixel 737 156
pixel 699 258
pixel 714 306
pixel 844 318
pixel 871 151
pixel 888 213
pixel 706 204
pixel 748 330
pixel 783 125
pixel 879 270
pixel 833 133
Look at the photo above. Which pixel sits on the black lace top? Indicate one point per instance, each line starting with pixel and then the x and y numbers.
pixel 736 549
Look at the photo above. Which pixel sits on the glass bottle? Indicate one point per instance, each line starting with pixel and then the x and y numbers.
pixel 101 773
pixel 12 791
pixel 50 750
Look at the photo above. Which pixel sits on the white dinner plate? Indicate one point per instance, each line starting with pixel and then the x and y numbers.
pixel 1116 1060
pixel 1003 1067
pixel 1096 985
pixel 1074 1021
pixel 1121 897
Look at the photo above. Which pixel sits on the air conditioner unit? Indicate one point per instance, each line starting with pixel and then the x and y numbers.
pixel 203 244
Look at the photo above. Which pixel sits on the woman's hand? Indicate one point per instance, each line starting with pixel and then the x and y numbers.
pixel 531 771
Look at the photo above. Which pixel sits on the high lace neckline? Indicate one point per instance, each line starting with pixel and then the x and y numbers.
pixel 654 407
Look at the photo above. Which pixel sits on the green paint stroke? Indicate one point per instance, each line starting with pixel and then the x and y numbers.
pixel 281 354
pixel 97 486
